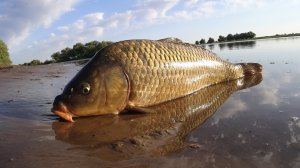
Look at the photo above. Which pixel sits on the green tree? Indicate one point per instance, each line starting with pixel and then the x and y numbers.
pixel 240 36
pixel 48 62
pixel 210 40
pixel 56 56
pixel 202 41
pixel 92 48
pixel 236 36
pixel 197 42
pixel 79 51
pixel 35 62
pixel 66 54
pixel 229 37
pixel 221 39
pixel 251 35
pixel 4 55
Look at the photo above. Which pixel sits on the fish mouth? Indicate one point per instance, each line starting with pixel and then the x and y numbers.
pixel 62 111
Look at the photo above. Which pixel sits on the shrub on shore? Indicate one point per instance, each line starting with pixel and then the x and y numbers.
pixel 4 55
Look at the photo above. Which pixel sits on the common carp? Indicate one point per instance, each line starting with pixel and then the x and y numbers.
pixel 135 74
pixel 157 134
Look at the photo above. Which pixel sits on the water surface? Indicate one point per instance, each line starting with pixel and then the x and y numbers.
pixel 244 123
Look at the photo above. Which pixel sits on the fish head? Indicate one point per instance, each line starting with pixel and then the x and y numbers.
pixel 95 90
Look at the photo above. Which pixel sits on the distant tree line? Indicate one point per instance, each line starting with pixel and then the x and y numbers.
pixel 38 62
pixel 78 51
pixel 229 37
pixel 279 35
pixel 4 55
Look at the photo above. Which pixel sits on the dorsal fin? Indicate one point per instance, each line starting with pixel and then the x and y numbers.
pixel 178 41
pixel 171 39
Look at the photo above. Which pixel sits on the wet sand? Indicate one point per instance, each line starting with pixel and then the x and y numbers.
pixel 244 123
pixel 32 137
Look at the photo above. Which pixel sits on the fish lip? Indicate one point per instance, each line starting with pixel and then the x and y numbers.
pixel 62 111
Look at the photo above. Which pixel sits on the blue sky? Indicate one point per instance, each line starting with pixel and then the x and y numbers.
pixel 37 28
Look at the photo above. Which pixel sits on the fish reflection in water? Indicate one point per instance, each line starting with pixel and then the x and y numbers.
pixel 158 133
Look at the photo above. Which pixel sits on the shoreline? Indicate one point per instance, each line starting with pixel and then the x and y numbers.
pixel 254 39
pixel 6 66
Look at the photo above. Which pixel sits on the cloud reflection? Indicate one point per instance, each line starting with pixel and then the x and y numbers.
pixel 235 106
pixel 272 92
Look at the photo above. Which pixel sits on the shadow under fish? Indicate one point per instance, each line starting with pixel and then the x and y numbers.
pixel 162 131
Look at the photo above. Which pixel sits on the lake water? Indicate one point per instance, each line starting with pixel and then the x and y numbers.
pixel 251 122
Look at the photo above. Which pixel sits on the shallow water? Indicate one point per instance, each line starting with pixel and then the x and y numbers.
pixel 244 123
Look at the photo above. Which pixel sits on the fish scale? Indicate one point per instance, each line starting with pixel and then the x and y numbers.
pixel 173 70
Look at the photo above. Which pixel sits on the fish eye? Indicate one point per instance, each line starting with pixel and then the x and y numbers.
pixel 85 88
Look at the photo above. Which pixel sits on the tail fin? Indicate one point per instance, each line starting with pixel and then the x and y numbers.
pixel 251 68
pixel 250 80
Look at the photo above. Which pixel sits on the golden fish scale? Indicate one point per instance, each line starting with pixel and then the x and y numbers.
pixel 161 71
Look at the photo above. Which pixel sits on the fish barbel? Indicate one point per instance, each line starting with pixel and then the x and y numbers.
pixel 135 74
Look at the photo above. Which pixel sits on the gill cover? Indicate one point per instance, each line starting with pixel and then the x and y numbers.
pixel 116 85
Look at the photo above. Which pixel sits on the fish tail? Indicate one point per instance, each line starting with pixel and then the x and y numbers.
pixel 250 68
pixel 250 80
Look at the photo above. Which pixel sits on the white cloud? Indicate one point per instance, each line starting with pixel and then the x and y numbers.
pixel 43 49
pixel 208 7
pixel 148 12
pixel 52 34
pixel 21 17
pixel 86 28
pixel 243 3
pixel 63 28
pixel 119 20
pixel 79 24
pixel 97 31
pixel 162 6
pixel 190 2
pixel 144 13
pixel 94 18
pixel 82 30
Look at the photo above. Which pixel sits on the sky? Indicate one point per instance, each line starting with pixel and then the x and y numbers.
pixel 36 29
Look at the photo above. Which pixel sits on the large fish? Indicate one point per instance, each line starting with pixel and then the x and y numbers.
pixel 151 135
pixel 135 74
